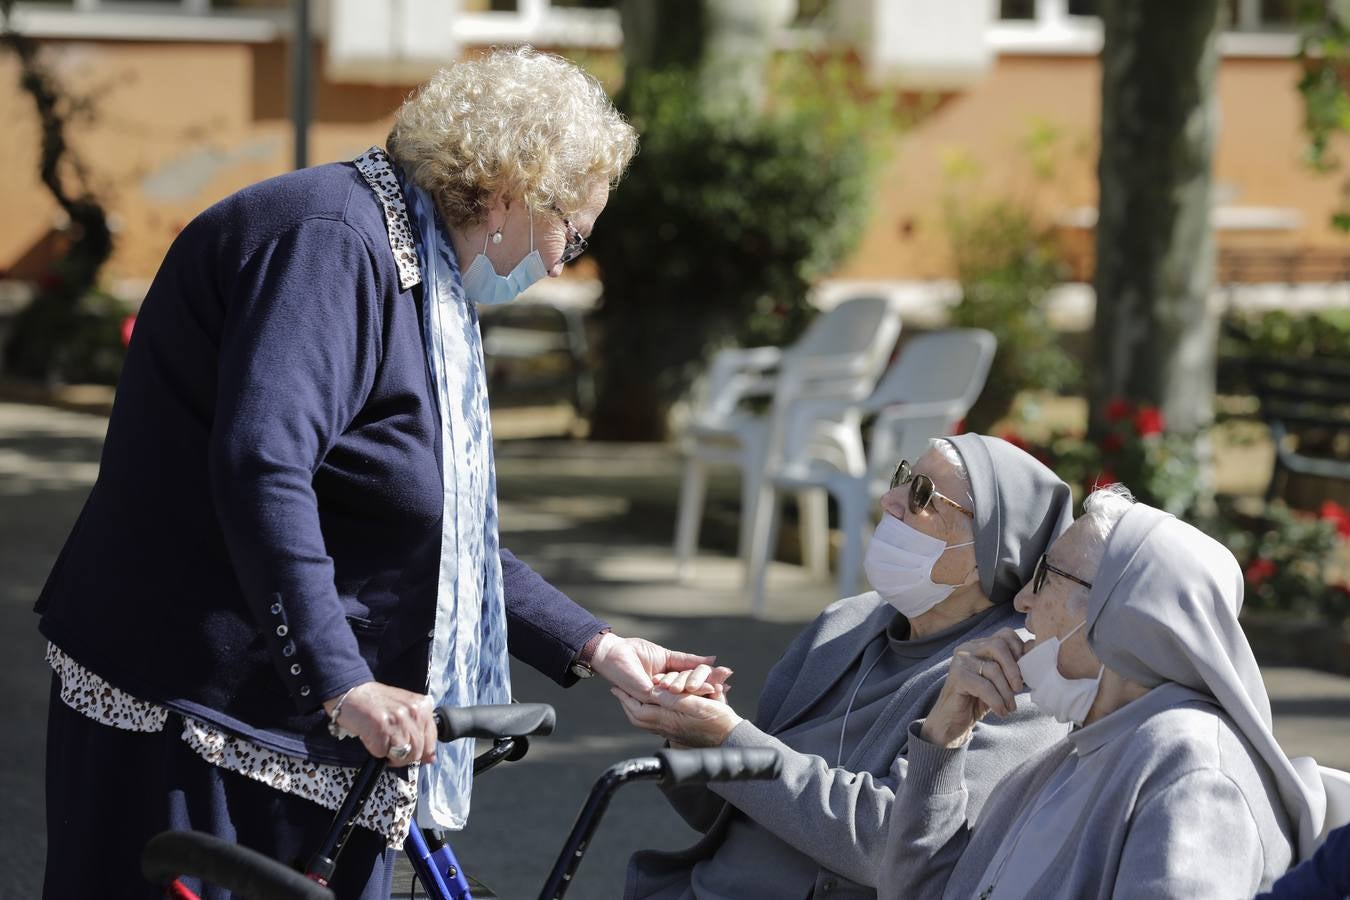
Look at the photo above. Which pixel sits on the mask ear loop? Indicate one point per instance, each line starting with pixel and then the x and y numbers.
pixel 1102 670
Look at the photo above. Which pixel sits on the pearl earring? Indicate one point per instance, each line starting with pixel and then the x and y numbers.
pixel 497 236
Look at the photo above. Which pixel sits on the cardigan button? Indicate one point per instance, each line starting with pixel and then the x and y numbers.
pixel 289 649
pixel 304 690
pixel 276 609
pixel 827 885
pixel 295 669
pixel 282 631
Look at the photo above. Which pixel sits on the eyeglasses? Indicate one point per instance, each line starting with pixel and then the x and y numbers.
pixel 576 244
pixel 921 489
pixel 1043 568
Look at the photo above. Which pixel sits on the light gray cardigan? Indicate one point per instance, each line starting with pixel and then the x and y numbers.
pixel 1182 807
pixel 837 817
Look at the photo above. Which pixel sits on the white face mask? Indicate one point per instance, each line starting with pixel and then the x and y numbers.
pixel 899 564
pixel 1067 699
pixel 483 285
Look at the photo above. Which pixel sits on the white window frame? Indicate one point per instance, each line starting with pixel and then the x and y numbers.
pixel 1053 32
pixel 534 21
pixel 183 20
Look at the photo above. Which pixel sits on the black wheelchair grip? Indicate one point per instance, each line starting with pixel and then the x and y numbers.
pixel 243 872
pixel 688 767
pixel 492 722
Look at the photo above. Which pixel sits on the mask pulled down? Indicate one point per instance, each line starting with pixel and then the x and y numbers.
pixel 1067 699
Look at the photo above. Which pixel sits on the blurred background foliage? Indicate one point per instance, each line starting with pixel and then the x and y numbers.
pixel 740 215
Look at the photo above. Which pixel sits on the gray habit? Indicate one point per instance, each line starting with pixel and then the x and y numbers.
pixel 1181 793
pixel 821 827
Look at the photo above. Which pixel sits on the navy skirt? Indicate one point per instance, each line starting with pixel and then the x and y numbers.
pixel 109 791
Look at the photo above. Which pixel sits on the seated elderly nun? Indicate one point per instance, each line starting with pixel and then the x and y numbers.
pixel 1173 786
pixel 961 532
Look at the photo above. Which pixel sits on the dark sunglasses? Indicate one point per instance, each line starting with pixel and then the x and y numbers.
pixel 576 244
pixel 921 490
pixel 1043 568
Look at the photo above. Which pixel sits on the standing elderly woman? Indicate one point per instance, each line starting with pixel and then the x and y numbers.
pixel 1174 786
pixel 960 534
pixel 293 537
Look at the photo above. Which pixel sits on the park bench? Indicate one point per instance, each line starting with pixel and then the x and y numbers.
pixel 1306 405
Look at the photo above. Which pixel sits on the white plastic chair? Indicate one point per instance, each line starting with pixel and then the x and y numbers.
pixel 926 392
pixel 837 361
pixel 1337 784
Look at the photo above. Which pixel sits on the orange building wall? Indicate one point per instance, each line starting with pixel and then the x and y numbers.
pixel 181 125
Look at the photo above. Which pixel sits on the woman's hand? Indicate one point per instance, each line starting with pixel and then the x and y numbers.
pixel 385 717
pixel 984 676
pixel 631 664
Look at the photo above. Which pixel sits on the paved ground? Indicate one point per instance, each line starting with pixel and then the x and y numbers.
pixel 596 519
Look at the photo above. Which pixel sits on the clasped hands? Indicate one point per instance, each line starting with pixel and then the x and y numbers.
pixel 677 696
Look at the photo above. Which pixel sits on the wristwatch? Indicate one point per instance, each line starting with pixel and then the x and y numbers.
pixel 581 667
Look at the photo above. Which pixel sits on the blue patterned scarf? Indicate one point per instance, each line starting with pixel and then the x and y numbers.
pixel 469 662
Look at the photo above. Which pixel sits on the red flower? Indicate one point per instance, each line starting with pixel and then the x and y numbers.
pixel 1118 410
pixel 1016 440
pixel 1149 421
pixel 1337 515
pixel 1258 571
pixel 128 324
pixel 1112 443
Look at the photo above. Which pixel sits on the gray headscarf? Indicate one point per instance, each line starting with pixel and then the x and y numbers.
pixel 1164 607
pixel 1020 508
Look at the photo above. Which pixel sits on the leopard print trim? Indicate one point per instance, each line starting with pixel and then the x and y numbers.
pixel 378 171
pixel 389 812
pixel 86 693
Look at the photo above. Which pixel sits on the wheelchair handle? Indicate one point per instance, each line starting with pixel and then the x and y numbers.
pixel 680 768
pixel 669 768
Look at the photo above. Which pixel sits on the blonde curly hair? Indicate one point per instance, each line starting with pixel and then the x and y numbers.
pixel 516 122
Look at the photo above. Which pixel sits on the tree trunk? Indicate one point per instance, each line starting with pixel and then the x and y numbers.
pixel 726 44
pixel 1155 333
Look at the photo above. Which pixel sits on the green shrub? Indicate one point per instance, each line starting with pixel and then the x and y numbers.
pixel 1007 259
pixel 1322 335
pixel 1284 557
pixel 1006 265
pixel 717 233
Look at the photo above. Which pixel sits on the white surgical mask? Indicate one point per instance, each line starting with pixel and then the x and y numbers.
pixel 899 565
pixel 1067 699
pixel 483 285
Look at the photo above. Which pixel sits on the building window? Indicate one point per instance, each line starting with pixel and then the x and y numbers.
pixel 1017 9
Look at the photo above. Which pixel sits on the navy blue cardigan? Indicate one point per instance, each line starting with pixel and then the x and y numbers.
pixel 265 528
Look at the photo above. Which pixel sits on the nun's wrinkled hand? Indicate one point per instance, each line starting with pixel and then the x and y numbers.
pixel 984 677
pixel 682 719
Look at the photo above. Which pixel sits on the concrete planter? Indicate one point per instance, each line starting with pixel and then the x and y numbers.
pixel 1312 644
